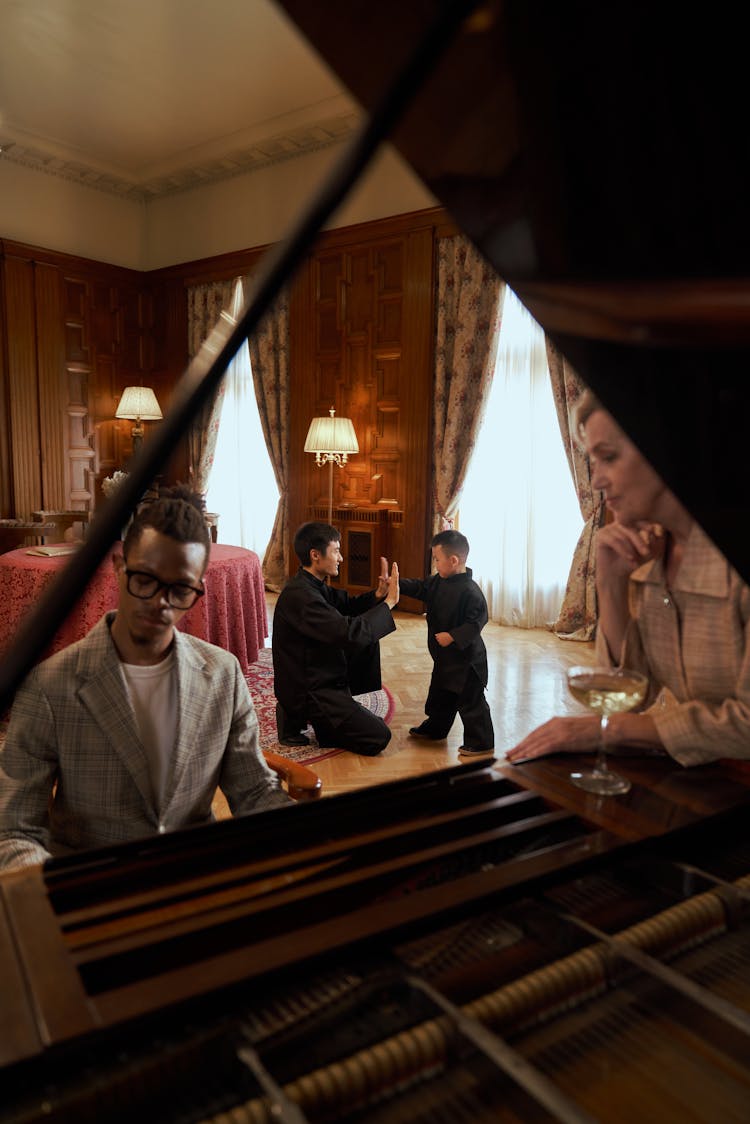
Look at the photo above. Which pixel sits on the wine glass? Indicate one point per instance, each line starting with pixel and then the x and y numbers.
pixel 606 691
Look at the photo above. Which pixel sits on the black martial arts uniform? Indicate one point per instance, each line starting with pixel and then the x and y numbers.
pixel 459 676
pixel 325 649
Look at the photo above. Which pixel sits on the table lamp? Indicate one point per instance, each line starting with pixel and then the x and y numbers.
pixel 332 439
pixel 138 404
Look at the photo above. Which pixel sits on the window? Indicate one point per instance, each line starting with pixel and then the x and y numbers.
pixel 518 507
pixel 242 487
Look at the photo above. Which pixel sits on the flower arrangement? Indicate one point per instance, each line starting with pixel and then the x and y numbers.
pixel 110 484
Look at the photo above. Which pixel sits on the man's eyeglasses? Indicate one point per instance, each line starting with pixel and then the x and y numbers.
pixel 145 586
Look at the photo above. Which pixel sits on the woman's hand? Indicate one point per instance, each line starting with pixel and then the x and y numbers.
pixel 622 548
pixel 571 734
pixel 626 733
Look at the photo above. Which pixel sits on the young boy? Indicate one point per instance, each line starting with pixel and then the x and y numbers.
pixel 456 615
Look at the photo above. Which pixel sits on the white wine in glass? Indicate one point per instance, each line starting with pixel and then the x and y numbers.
pixel 606 691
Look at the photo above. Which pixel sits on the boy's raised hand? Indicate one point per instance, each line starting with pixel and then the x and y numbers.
pixel 393 594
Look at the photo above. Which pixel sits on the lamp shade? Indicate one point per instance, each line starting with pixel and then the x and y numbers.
pixel 139 403
pixel 331 435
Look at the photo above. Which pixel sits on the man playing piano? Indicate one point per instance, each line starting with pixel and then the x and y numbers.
pixel 128 732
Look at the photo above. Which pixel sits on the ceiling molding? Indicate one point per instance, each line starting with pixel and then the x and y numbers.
pixel 287 145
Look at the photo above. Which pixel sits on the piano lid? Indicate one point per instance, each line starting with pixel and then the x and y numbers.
pixel 596 156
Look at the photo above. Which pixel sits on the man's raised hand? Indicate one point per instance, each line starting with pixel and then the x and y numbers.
pixel 382 590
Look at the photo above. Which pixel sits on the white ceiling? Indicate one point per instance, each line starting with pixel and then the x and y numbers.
pixel 148 97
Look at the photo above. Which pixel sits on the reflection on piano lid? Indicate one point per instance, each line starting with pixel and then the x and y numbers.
pixel 596 155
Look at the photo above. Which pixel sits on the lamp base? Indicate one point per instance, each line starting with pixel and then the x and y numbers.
pixel 137 435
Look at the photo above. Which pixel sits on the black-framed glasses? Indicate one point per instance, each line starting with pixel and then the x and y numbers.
pixel 179 594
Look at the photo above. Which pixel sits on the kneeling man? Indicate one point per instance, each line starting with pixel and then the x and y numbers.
pixel 325 648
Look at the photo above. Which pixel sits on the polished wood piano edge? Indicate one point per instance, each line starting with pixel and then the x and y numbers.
pixel 86 885
pixel 339 933
pixel 259 878
pixel 665 796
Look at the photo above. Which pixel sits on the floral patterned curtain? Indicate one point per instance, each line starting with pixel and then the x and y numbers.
pixel 578 613
pixel 205 305
pixel 269 359
pixel 469 304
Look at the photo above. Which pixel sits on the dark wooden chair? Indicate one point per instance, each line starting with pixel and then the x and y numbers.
pixel 302 783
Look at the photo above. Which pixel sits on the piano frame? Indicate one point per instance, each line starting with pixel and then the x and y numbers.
pixel 128 943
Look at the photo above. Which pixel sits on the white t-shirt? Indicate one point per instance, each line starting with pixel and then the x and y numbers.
pixel 153 696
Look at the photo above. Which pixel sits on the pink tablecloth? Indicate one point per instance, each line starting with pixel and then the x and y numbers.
pixel 233 612
pixel 231 615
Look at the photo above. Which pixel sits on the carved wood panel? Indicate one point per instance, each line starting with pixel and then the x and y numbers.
pixel 78 362
pixel 111 436
pixel 53 389
pixel 6 481
pixel 361 341
pixel 358 319
pixel 23 389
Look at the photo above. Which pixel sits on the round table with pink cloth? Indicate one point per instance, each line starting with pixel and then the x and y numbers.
pixel 232 614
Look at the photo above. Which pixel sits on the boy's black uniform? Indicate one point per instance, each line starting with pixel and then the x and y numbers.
pixel 456 605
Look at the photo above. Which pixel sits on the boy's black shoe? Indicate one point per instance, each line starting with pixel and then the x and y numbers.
pixel 425 732
pixel 472 751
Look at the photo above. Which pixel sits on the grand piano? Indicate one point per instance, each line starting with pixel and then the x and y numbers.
pixel 485 942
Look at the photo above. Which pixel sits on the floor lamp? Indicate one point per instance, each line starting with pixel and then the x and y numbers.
pixel 332 439
pixel 138 404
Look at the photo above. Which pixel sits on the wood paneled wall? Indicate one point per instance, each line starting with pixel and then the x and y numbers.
pixel 74 333
pixel 362 341
pixel 22 385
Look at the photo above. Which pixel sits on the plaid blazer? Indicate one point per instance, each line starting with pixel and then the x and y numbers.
pixel 72 728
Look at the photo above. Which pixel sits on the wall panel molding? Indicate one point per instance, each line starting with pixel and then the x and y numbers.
pixel 362 341
pixel 23 388
pixel 53 388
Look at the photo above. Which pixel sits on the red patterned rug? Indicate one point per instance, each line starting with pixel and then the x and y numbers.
pixel 260 681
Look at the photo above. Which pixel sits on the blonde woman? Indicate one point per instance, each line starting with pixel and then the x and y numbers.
pixel 670 605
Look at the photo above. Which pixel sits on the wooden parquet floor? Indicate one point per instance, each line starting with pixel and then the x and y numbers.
pixel 526 687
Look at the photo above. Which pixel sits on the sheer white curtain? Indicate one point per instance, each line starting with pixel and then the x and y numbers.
pixel 518 508
pixel 242 487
